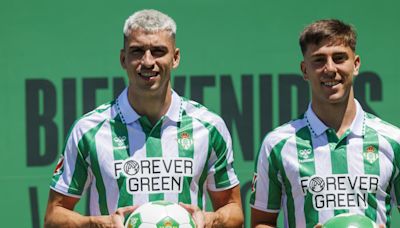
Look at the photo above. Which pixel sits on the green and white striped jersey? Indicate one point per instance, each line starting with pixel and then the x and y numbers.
pixel 313 175
pixel 123 160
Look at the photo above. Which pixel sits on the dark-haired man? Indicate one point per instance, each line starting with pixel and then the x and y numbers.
pixel 334 159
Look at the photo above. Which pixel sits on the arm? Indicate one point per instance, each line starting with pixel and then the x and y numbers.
pixel 262 219
pixel 60 213
pixel 228 208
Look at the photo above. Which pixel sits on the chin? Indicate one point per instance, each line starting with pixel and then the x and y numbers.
pixel 336 100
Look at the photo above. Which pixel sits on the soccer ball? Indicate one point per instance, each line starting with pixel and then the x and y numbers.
pixel 349 220
pixel 160 214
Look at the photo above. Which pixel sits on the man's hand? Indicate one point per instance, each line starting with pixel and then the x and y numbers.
pixel 117 219
pixel 197 214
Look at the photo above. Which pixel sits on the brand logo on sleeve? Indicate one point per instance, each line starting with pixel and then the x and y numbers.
pixel 59 166
pixel 253 183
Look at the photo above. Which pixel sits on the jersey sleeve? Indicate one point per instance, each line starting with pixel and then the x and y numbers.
pixel 221 174
pixel 71 176
pixel 396 178
pixel 266 189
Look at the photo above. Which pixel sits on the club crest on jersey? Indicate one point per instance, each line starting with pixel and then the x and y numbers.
pixel 120 142
pixel 370 154
pixel 185 141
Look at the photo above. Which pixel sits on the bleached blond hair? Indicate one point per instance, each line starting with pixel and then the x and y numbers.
pixel 150 20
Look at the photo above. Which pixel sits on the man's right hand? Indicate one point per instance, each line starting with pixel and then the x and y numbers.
pixel 117 219
pixel 60 213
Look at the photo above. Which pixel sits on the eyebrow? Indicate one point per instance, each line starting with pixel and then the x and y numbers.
pixel 335 53
pixel 147 47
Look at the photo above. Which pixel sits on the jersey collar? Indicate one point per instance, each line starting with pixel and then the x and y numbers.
pixel 128 114
pixel 317 127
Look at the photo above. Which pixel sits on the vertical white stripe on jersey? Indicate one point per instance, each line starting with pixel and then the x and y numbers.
pixel 137 150
pixel 292 170
pixel 94 200
pixel 211 170
pixel 323 167
pixel 355 161
pixel 103 149
pixel 200 145
pixel 262 184
pixel 69 158
pixel 385 165
pixel 285 212
pixel 169 149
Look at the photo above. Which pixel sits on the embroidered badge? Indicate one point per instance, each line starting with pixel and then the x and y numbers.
pixel 370 154
pixel 185 141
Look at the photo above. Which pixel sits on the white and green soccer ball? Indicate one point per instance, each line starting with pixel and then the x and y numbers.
pixel 349 220
pixel 160 214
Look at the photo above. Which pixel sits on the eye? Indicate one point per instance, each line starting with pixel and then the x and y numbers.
pixel 136 52
pixel 158 51
pixel 318 61
pixel 340 58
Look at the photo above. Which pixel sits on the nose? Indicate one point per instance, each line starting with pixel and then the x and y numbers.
pixel 148 59
pixel 330 66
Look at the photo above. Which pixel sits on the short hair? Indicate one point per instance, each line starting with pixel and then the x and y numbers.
pixel 149 20
pixel 331 30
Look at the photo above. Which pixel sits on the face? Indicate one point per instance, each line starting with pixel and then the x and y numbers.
pixel 330 70
pixel 148 59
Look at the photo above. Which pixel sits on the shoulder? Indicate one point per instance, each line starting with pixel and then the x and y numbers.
pixel 382 127
pixel 95 118
pixel 284 132
pixel 202 114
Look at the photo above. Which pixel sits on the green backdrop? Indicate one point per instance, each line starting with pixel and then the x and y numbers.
pixel 59 59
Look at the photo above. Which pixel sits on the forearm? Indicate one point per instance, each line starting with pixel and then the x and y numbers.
pixel 62 217
pixel 230 215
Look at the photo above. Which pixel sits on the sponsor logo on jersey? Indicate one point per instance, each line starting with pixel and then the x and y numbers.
pixel 154 175
pixel 120 142
pixel 185 140
pixel 339 191
pixel 371 154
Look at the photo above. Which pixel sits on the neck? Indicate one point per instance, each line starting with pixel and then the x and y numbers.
pixel 338 116
pixel 152 105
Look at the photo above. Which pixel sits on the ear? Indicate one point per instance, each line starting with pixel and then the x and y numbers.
pixel 357 64
pixel 122 58
pixel 303 69
pixel 177 58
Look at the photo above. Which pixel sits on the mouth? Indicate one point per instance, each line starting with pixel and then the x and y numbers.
pixel 330 84
pixel 148 76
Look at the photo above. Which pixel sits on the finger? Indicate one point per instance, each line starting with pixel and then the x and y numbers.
pixel 126 210
pixel 189 207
